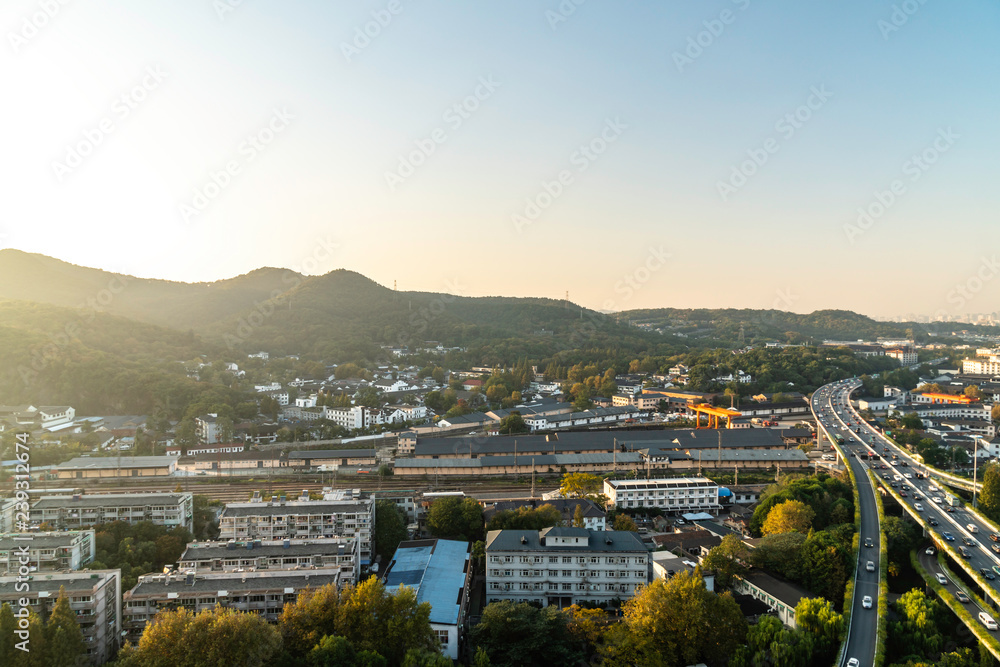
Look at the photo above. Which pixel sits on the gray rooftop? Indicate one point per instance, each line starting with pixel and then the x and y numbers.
pixel 602 458
pixel 109 500
pixel 106 462
pixel 81 580
pixel 296 508
pixel 220 550
pixel 41 540
pixel 332 454
pixel 511 540
pixel 235 582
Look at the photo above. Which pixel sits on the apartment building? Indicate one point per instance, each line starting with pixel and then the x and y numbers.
pixel 95 596
pixel 679 494
pixel 264 593
pixel 80 511
pixel 564 566
pixel 303 519
pixel 350 418
pixel 261 555
pixel 48 551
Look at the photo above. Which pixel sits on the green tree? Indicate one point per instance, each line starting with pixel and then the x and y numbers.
pixel 989 496
pixel 225 429
pixel 65 640
pixel 8 626
pixel 525 518
pixel 582 485
pixel 186 435
pixel 332 651
pixel 789 516
pixel 454 517
pixel 579 521
pixel 918 630
pixel 780 553
pixel 390 529
pixel 624 522
pixel 417 657
pixel 974 392
pixel 995 413
pixel 210 638
pixel 366 615
pixel 727 560
pixel 824 565
pixel 912 421
pixel 817 617
pixel 481 658
pixel 676 622
pixel 513 635
pixel 512 423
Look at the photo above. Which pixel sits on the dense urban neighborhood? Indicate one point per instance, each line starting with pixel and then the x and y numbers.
pixel 533 513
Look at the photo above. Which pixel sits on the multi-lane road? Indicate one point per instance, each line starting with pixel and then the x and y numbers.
pixel 868 448
pixel 862 637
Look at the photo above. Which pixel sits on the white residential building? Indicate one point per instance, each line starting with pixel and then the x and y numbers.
pixel 95 596
pixel 260 555
pixel 79 511
pixel 52 417
pixel 354 417
pixel 69 550
pixel 350 519
pixel 263 593
pixel 262 388
pixel 564 566
pixel 680 494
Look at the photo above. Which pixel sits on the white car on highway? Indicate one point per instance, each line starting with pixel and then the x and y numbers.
pixel 866 602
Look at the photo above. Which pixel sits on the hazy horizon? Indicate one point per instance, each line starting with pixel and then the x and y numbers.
pixel 731 146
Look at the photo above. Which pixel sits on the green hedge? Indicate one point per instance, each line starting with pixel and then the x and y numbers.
pixel 957 607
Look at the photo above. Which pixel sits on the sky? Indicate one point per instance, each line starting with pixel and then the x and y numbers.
pixel 682 153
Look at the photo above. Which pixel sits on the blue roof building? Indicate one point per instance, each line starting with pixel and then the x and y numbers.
pixel 439 570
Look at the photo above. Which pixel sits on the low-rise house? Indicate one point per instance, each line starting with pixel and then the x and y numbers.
pixel 781 596
pixel 679 494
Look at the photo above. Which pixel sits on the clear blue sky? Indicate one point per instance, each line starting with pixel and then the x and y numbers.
pixel 673 131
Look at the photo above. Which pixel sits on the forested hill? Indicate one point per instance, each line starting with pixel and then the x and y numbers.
pixel 771 324
pixel 97 362
pixel 32 277
pixel 339 313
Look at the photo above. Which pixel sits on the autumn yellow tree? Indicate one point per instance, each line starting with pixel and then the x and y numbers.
pixel 788 517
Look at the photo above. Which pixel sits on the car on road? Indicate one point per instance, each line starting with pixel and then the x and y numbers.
pixel 869 543
pixel 961 597
pixel 936 500
pixel 918 507
pixel 987 620
pixel 929 551
pixel 853 662
pixel 932 521
pixel 986 573
pixel 995 547
pixel 941 579
pixel 969 542
pixel 870 566
pixel 866 602
pixel 948 536
pixel 965 552
pixel 995 537
pixel 902 494
pixel 996 568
